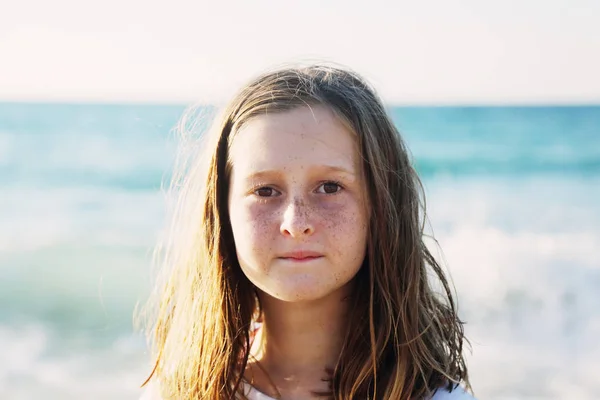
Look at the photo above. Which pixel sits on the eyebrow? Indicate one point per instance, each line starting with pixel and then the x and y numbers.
pixel 328 168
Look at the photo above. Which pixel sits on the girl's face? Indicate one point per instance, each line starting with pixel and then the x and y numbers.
pixel 297 203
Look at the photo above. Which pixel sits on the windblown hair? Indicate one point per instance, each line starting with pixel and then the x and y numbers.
pixel 407 339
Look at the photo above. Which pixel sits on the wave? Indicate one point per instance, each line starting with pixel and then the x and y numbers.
pixel 33 369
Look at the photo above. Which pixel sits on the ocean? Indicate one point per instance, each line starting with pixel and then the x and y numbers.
pixel 513 197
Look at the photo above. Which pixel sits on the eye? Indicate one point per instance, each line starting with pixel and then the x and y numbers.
pixel 329 188
pixel 265 192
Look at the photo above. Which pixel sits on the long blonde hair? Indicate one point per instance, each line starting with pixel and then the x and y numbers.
pixel 407 339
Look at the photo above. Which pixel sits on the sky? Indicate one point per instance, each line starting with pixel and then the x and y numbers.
pixel 413 52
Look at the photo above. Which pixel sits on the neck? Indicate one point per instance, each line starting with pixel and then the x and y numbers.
pixel 298 342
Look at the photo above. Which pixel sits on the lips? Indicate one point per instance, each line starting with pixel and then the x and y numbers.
pixel 301 255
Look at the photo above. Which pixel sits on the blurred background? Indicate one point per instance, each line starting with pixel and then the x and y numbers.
pixel 498 101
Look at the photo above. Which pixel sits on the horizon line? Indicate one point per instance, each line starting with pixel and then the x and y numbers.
pixel 174 103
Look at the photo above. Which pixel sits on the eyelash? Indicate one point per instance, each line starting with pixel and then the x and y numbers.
pixel 338 184
pixel 265 198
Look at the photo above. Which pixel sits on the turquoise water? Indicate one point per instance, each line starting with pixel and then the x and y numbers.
pixel 513 197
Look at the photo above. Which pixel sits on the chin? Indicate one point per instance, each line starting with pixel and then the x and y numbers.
pixel 302 293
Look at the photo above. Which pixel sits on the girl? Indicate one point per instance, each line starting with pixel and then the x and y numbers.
pixel 296 267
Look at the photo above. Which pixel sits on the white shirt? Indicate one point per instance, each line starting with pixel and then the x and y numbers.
pixel 442 394
pixel 151 393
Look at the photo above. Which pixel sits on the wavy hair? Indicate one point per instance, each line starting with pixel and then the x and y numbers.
pixel 407 339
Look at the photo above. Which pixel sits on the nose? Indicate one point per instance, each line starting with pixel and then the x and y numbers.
pixel 297 220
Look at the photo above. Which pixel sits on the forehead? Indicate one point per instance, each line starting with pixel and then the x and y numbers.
pixel 301 137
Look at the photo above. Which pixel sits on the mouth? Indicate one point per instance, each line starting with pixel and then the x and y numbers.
pixel 301 256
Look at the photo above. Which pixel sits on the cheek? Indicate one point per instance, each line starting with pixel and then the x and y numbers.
pixel 250 224
pixel 346 226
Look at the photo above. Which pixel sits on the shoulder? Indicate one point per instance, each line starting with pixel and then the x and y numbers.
pixel 458 393
pixel 151 392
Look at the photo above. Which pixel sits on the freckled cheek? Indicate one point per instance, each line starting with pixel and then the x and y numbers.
pixel 345 226
pixel 260 222
pixel 253 234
